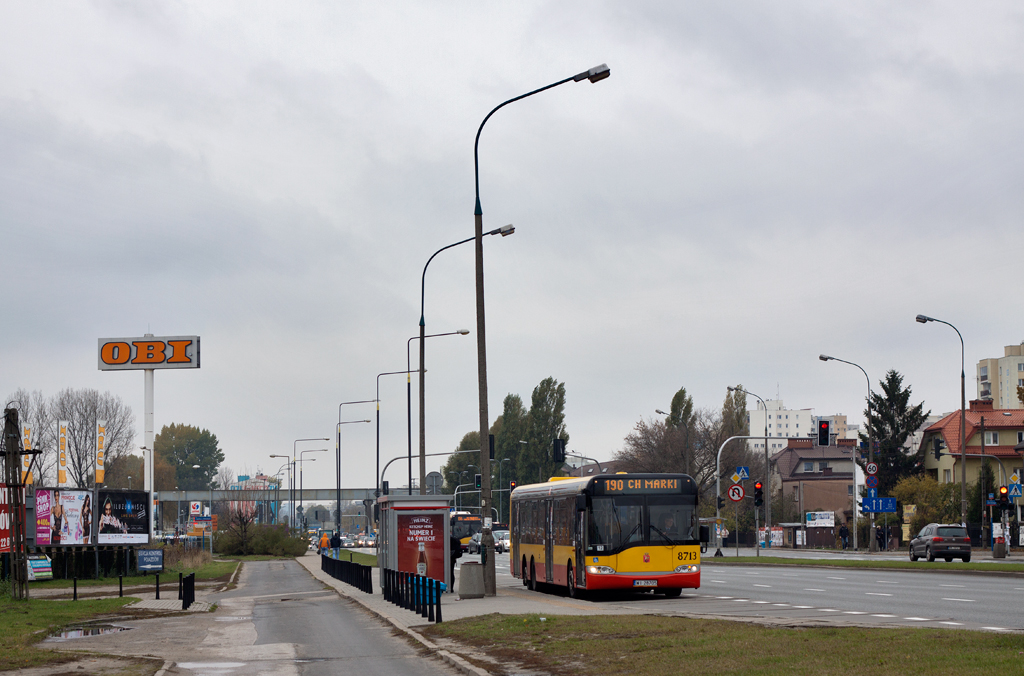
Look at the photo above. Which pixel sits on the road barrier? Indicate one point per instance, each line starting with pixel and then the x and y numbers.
pixel 187 590
pixel 413 592
pixel 355 574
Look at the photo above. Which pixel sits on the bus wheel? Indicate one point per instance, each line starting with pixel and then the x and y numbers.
pixel 533 576
pixel 672 592
pixel 522 571
pixel 570 579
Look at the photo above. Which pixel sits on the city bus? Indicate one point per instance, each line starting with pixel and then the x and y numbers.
pixel 616 531
pixel 465 525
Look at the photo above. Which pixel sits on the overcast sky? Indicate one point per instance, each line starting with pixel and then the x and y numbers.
pixel 754 185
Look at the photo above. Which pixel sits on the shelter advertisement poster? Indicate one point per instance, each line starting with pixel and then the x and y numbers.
pixel 123 518
pixel 428 530
pixel 63 517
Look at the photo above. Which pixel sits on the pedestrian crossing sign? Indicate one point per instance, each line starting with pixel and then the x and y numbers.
pixel 1015 491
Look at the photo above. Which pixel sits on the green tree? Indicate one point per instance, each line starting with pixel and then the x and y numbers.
pixel 544 423
pixel 935 502
pixel 892 421
pixel 184 446
pixel 507 437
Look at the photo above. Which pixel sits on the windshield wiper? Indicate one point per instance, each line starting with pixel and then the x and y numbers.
pixel 626 539
pixel 653 527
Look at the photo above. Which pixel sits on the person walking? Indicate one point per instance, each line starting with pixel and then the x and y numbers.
pixel 336 544
pixel 454 551
pixel 325 543
pixel 844 536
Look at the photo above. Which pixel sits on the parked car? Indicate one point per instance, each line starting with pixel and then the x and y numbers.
pixel 502 541
pixel 943 540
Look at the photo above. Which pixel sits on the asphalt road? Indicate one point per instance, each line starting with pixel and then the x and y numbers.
pixel 327 634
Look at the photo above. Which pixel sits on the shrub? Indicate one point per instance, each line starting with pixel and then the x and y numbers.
pixel 268 540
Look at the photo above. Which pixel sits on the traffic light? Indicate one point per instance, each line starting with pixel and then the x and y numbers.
pixel 1004 499
pixel 558 450
pixel 721 503
pixel 824 432
pixel 938 448
pixel 478 481
pixel 512 485
pixel 384 487
pixel 758 494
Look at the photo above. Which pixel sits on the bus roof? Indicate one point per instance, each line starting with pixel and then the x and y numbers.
pixel 646 483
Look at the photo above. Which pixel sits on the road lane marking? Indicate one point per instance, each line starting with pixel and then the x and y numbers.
pixel 759 601
pixel 954 624
pixel 739 600
pixel 882 615
pixel 995 629
pixel 804 607
pixel 885 582
pixel 763 585
pixel 961 586
pixel 719 581
pixel 916 619
pixel 854 612
pixel 827 610
pixel 964 600
pixel 781 605
pixel 821 590
pixel 877 594
pixel 837 578
pixel 723 598
pixel 753 573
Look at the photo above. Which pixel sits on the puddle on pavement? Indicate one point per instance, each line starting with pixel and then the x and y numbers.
pixel 90 630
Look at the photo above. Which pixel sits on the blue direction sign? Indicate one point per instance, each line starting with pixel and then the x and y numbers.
pixel 872 492
pixel 1014 491
pixel 879 505
pixel 744 472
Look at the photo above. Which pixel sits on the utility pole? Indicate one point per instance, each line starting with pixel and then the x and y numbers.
pixel 15 504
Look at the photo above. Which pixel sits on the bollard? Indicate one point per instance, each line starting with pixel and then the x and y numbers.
pixel 437 615
pixel 179 586
pixel 76 589
pixel 120 586
pixel 158 586
pixel 430 600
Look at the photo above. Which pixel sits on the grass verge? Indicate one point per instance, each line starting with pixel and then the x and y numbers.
pixel 643 645
pixel 25 623
pixel 215 571
pixel 956 565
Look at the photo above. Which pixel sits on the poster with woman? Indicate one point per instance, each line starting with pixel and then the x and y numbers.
pixel 63 517
pixel 122 518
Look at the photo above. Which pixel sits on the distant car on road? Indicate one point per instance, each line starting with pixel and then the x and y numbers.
pixel 943 540
pixel 473 546
pixel 347 543
pixel 502 541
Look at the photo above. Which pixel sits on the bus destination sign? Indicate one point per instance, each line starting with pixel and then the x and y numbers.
pixel 637 486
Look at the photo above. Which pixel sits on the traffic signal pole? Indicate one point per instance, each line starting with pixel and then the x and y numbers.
pixel 718 486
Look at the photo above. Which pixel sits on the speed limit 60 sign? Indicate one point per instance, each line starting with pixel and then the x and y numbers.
pixel 736 492
pixel 872 468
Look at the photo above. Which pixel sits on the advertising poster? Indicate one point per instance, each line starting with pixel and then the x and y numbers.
pixel 123 518
pixel 26 467
pixel 421 544
pixel 5 521
pixel 63 517
pixel 62 452
pixel 821 519
pixel 101 450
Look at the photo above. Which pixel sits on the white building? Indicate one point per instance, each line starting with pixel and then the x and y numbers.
pixel 782 422
pixel 998 379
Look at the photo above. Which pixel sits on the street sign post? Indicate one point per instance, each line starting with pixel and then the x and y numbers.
pixel 736 492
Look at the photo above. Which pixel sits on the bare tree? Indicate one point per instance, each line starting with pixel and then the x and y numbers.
pixel 34 412
pixel 242 520
pixel 225 477
pixel 82 408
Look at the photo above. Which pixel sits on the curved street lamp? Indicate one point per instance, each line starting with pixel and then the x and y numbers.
pixel 924 319
pixel 595 74
pixel 767 477
pixel 873 546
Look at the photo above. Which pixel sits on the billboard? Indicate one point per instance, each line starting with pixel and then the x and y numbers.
pixel 63 517
pixel 421 544
pixel 149 352
pixel 821 519
pixel 123 518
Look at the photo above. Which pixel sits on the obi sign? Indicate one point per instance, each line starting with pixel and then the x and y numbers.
pixel 149 352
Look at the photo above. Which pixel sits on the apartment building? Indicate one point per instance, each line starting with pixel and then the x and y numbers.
pixel 998 379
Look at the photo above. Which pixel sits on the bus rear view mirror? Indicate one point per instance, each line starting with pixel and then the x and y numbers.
pixel 581 503
pixel 705 534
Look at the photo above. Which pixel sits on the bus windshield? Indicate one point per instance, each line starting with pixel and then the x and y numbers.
pixel 621 521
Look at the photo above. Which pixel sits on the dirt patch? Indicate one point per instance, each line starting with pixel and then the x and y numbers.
pixel 98 665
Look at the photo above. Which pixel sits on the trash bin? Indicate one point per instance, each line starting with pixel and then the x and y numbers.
pixel 999 548
pixel 471 581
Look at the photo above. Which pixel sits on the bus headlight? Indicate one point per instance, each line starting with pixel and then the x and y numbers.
pixel 600 570
pixel 688 568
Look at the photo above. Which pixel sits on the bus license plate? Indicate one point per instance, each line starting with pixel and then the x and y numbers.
pixel 645 583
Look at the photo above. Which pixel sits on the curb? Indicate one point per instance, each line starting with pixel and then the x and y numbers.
pixel 446 656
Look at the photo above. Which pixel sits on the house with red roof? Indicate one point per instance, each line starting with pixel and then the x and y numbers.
pixel 992 431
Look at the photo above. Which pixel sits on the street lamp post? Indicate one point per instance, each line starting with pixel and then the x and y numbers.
pixel 337 465
pixel 287 495
pixel 924 319
pixel 337 507
pixel 767 477
pixel 319 450
pixel 408 394
pixel 487 540
pixel 294 445
pixel 387 373
pixel 873 546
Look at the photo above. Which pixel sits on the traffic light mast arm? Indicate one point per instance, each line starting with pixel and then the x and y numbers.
pixel 718 480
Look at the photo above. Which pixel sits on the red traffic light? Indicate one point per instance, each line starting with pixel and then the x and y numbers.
pixel 1003 491
pixel 758 486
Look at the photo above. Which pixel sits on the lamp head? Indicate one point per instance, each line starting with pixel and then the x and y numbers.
pixel 730 388
pixel 463 332
pixel 924 319
pixel 595 74
pixel 506 230
pixel 660 412
pixel 824 357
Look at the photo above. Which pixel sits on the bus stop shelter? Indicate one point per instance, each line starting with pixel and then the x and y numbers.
pixel 413 538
